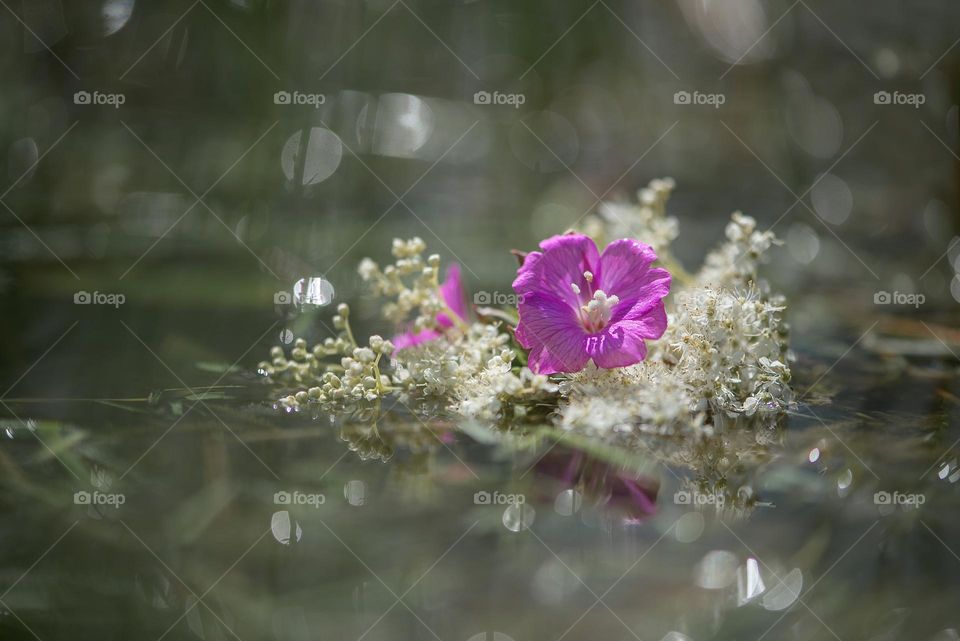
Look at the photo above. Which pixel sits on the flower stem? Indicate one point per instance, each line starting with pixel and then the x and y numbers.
pixel 376 372
pixel 457 321
pixel 349 332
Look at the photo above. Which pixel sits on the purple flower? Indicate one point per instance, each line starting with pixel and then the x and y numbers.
pixel 451 290
pixel 576 305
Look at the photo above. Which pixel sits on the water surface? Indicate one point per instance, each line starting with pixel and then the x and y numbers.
pixel 161 516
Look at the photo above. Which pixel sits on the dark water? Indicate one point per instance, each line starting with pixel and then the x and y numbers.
pixel 411 528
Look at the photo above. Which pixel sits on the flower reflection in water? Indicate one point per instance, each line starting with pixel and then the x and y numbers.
pixel 631 494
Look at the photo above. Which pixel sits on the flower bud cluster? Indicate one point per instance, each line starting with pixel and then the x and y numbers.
pixel 411 281
pixel 735 263
pixel 731 347
pixel 646 219
pixel 356 377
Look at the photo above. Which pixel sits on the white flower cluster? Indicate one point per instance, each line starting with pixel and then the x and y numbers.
pixel 724 351
pixel 734 263
pixel 476 371
pixel 647 219
pixel 437 368
pixel 729 346
pixel 356 377
pixel 648 397
pixel 471 369
pixel 411 281
pixel 500 391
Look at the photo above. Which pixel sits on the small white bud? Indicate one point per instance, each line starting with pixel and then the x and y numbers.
pixel 364 354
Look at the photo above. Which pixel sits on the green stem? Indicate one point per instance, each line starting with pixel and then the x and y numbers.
pixel 346 327
pixel 457 321
pixel 376 372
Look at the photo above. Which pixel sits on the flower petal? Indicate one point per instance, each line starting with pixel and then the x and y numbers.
pixel 528 275
pixel 549 329
pixel 652 287
pixel 453 295
pixel 651 326
pixel 626 271
pixel 452 292
pixel 627 274
pixel 562 262
pixel 412 339
pixel 622 343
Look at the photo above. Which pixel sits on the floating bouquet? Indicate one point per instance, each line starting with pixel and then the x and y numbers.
pixel 609 337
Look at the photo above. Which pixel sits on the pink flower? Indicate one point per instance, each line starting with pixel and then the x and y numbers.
pixel 453 295
pixel 576 305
